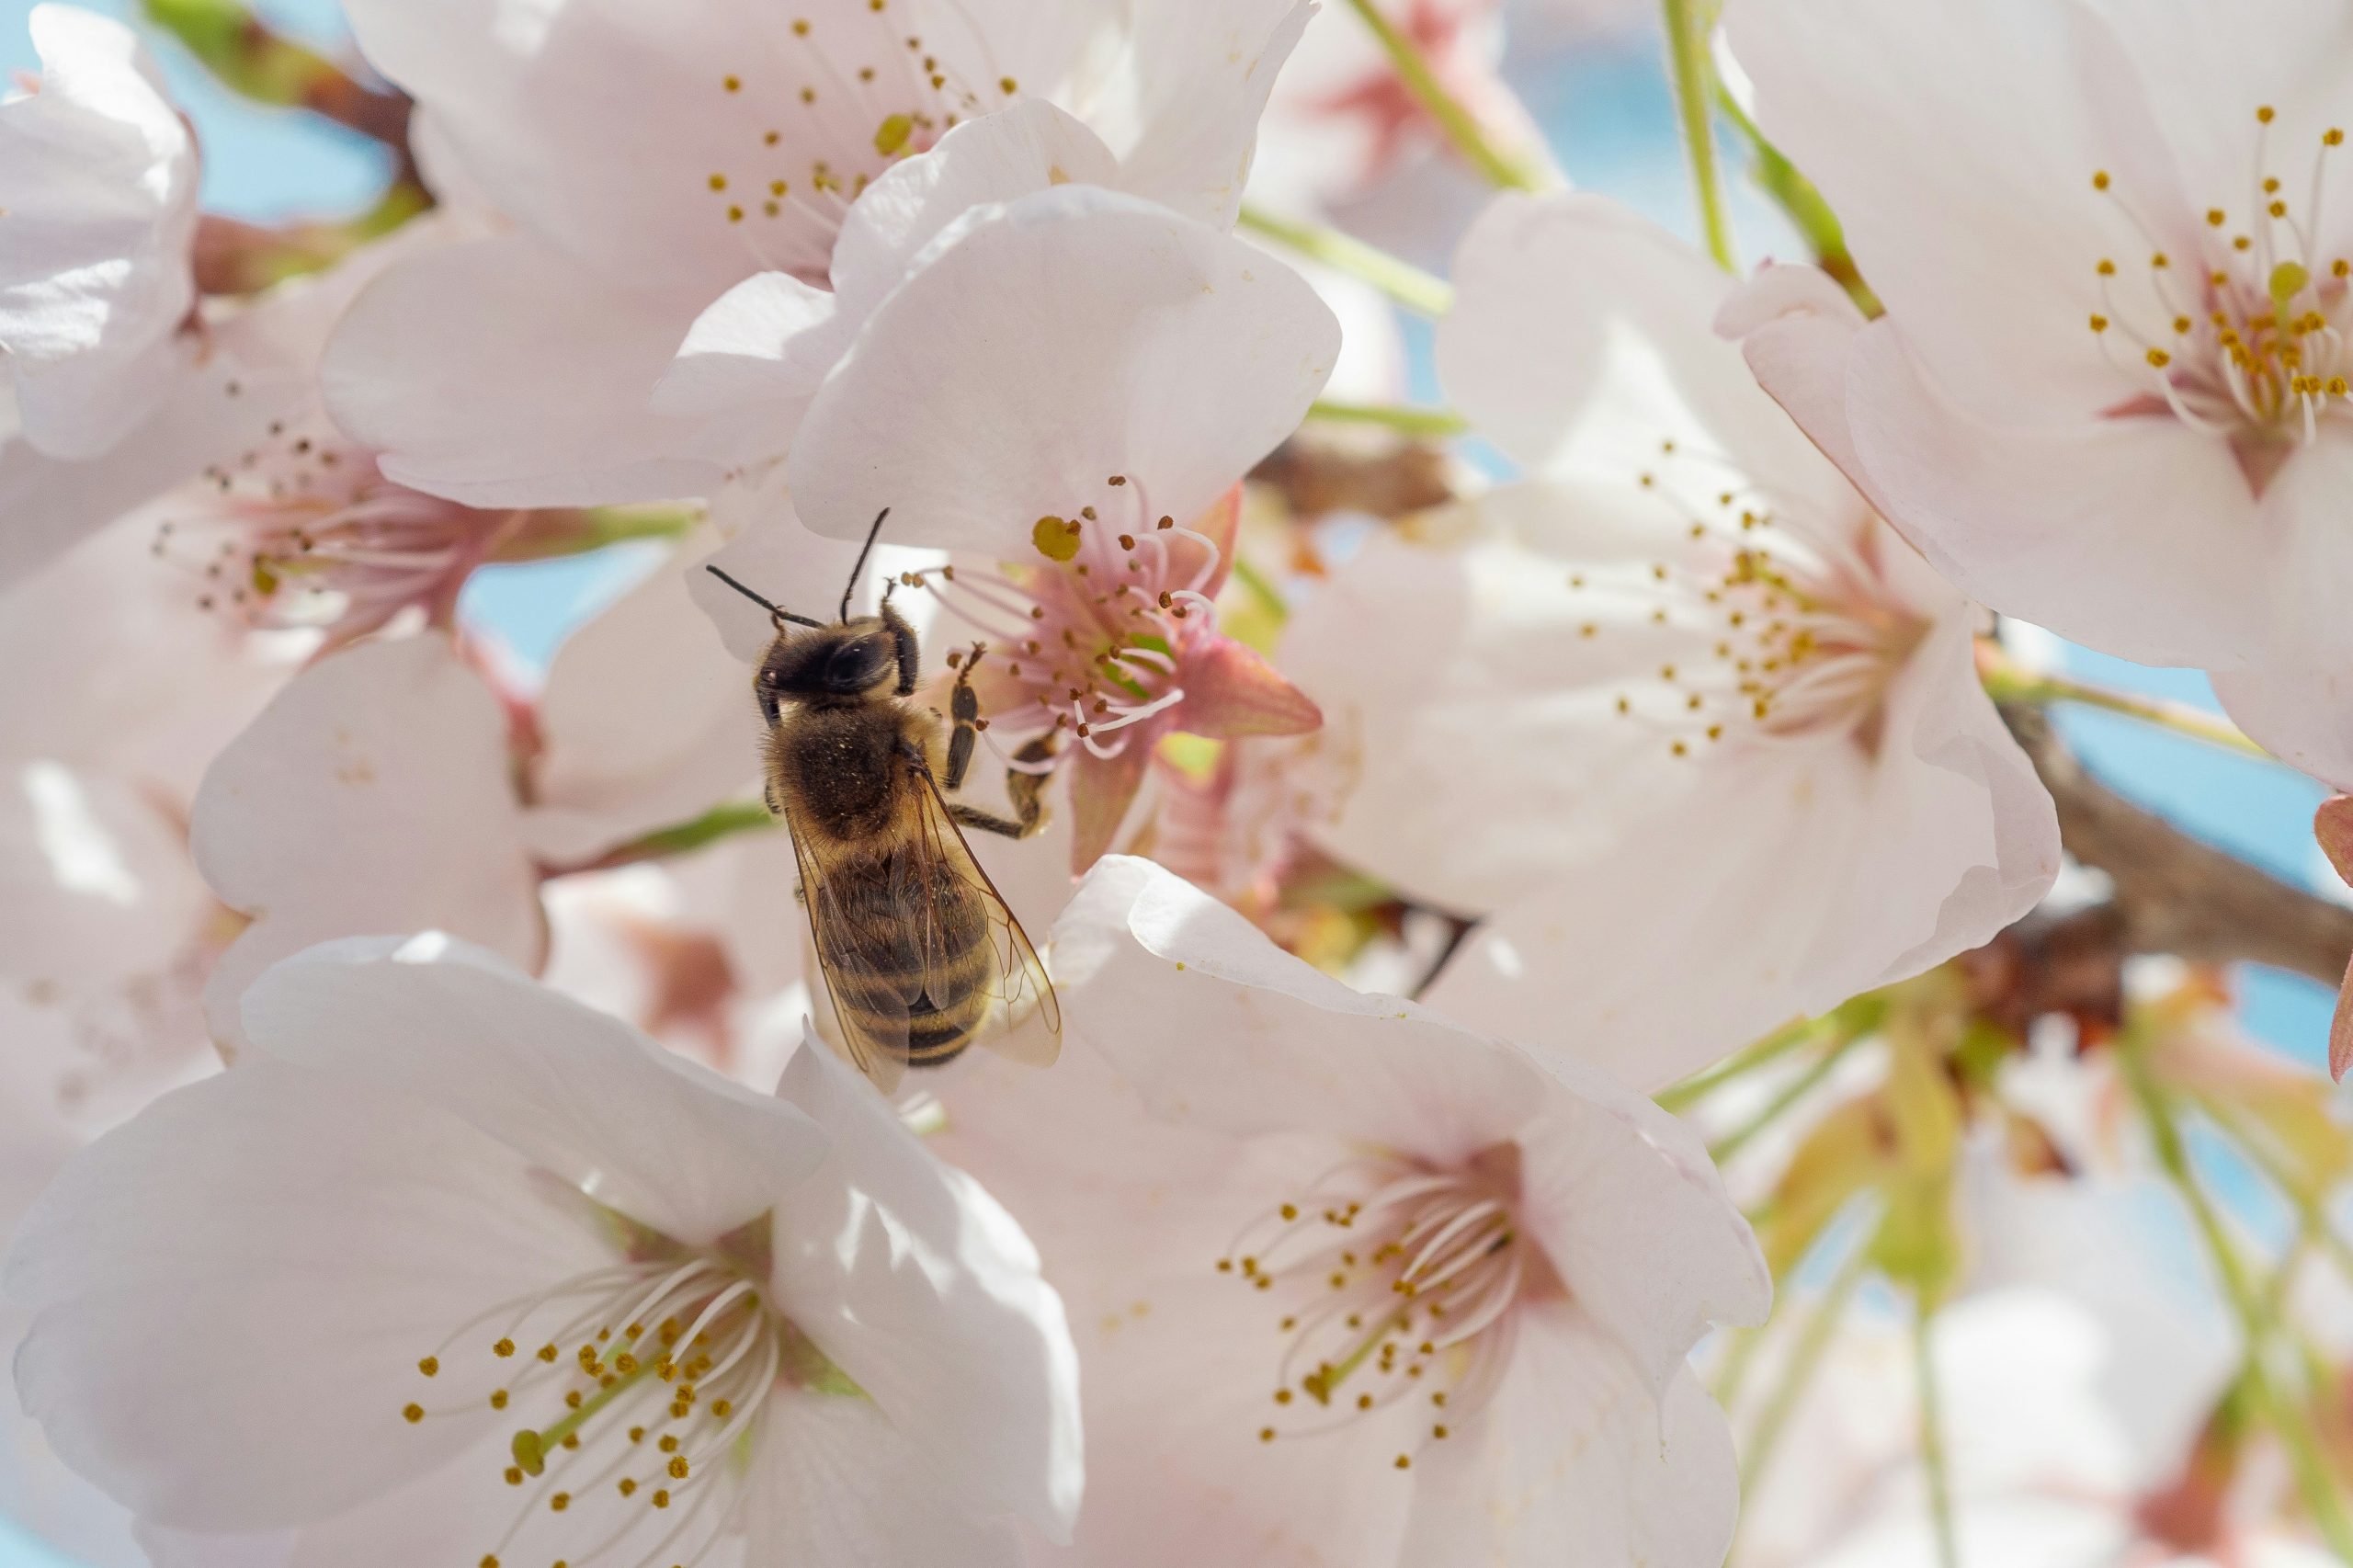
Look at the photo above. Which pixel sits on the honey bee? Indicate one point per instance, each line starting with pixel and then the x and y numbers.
pixel 918 948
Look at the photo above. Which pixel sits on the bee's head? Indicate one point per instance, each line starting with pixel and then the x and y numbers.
pixel 834 664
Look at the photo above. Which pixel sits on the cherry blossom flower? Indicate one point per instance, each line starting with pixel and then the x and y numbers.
pixel 530 1288
pixel 97 177
pixel 780 135
pixel 2109 394
pixel 1115 507
pixel 1352 1284
pixel 1674 706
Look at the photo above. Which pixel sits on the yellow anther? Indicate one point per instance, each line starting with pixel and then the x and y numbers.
pixel 412 1413
pixel 661 1497
pixel 718 182
pixel 2263 116
pixel 498 1399
pixel 627 1486
pixel 2099 180
pixel 2215 217
pixel 1266 1433
pixel 2107 267
pixel 734 84
pixel 503 1349
pixel 679 1469
pixel 1439 1431
pixel 2332 137
pixel 514 1475
pixel 559 1501
pixel 430 1366
pixel 1404 1462
pixel 2159 358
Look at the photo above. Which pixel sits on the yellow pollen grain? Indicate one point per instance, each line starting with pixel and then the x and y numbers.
pixel 801 28
pixel 547 1353
pixel 2263 116
pixel 668 1445
pixel 1266 1433
pixel 677 1470
pixel 498 1399
pixel 2099 180
pixel 1364 1402
pixel 1282 1396
pixel 1439 1431
pixel 1404 1462
pixel 734 84
pixel 514 1475
pixel 559 1501
pixel 722 1408
pixel 2215 217
pixel 734 214
pixel 430 1366
pixel 719 182
pixel 412 1413
pixel 628 1486
pixel 503 1349
pixel 662 1498
pixel 2332 137
pixel 2107 267
pixel 2159 358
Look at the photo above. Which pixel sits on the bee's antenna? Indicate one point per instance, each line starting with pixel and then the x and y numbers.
pixel 775 609
pixel 851 587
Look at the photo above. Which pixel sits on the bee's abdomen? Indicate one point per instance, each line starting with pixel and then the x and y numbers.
pixel 923 973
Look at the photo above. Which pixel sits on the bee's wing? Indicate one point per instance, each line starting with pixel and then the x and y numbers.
pixel 1026 1021
pixel 873 1030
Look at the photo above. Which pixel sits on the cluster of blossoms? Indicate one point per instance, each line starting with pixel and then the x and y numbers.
pixel 1508 911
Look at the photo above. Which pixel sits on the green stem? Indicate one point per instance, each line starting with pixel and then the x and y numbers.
pixel 1932 1442
pixel 1686 55
pixel 1401 280
pixel 548 535
pixel 258 61
pixel 1805 1359
pixel 2312 1208
pixel 2007 682
pixel 2283 1415
pixel 720 822
pixel 1461 126
pixel 1796 1089
pixel 1801 203
pixel 1432 422
pixel 1683 1095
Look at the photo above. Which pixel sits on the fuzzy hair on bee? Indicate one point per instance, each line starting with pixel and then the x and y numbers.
pixel 918 948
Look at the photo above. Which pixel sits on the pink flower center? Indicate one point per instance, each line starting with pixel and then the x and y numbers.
pixel 1392 1283
pixel 2238 340
pixel 305 532
pixel 841 92
pixel 1093 647
pixel 1774 627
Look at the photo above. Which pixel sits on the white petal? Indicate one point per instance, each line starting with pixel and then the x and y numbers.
pixel 752 362
pixel 1112 338
pixel 669 1144
pixel 835 1481
pixel 1969 202
pixel 919 1285
pixel 97 176
pixel 2303 717
pixel 1202 75
pixel 2137 536
pixel 1572 1463
pixel 1221 1028
pixel 232 1292
pixel 1583 337
pixel 500 372
pixel 645 721
pixel 371 795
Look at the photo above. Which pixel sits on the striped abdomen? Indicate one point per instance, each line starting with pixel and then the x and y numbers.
pixel 916 971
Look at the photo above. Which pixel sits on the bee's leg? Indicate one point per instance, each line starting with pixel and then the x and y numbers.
pixel 910 650
pixel 964 713
pixel 1026 790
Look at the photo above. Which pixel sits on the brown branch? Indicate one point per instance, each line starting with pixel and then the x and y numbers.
pixel 2176 894
pixel 1344 472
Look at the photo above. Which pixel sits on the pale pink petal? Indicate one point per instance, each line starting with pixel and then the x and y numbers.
pixel 646 721
pixel 500 372
pixel 576 1092
pixel 837 1482
pixel 2136 534
pixel 1582 337
pixel 267 1218
pixel 2333 827
pixel 1101 790
pixel 2304 718
pixel 1116 339
pixel 1221 1028
pixel 1993 116
pixel 1231 692
pixel 752 362
pixel 97 177
pixel 1573 1461
pixel 371 797
pixel 1201 74
pixel 917 1284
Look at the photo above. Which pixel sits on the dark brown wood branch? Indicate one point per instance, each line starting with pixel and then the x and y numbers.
pixel 2174 893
